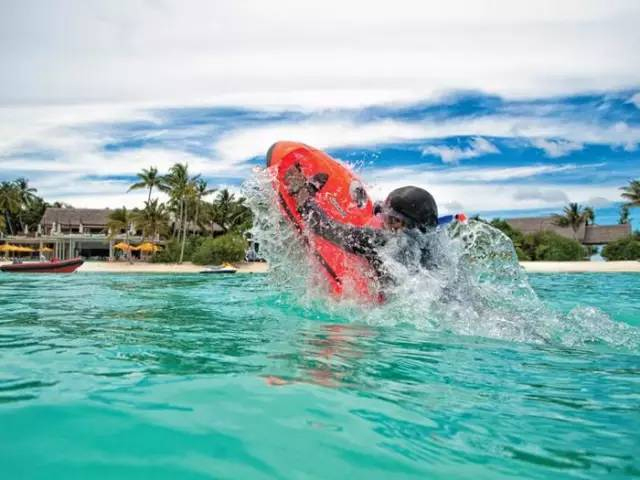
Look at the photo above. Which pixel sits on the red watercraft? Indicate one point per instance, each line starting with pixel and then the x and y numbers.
pixel 53 266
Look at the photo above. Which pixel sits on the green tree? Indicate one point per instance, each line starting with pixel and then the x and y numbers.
pixel 230 247
pixel 10 203
pixel 627 248
pixel 624 215
pixel 118 220
pixel 153 219
pixel 181 189
pixel 549 246
pixel 589 215
pixel 26 196
pixel 631 193
pixel 573 215
pixel 149 178
pixel 201 190
pixel 230 213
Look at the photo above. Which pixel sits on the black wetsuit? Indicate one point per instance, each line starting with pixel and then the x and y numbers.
pixel 413 252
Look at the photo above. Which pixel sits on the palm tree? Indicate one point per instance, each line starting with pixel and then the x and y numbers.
pixel 632 193
pixel 153 219
pixel 181 189
pixel 230 213
pixel 589 215
pixel 10 203
pixel 572 216
pixel 118 220
pixel 26 195
pixel 624 215
pixel 149 178
pixel 201 190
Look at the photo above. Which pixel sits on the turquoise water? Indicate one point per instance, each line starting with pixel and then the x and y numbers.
pixel 154 376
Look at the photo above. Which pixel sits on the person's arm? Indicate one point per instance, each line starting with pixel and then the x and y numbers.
pixel 359 240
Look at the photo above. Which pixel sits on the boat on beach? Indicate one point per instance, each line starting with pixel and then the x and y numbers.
pixel 52 266
pixel 224 268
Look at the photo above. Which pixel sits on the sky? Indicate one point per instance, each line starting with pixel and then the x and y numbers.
pixel 493 106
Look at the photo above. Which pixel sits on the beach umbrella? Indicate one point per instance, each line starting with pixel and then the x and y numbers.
pixel 148 247
pixel 122 246
pixel 25 249
pixel 6 248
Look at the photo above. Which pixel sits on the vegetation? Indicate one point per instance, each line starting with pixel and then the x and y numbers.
pixel 624 215
pixel 573 215
pixel 20 207
pixel 624 249
pixel 120 220
pixel 541 246
pixel 631 193
pixel 188 218
pixel 230 247
pixel 549 246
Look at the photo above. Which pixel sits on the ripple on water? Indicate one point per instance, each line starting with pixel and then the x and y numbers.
pixel 191 376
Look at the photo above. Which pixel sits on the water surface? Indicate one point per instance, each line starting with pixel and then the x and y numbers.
pixel 188 376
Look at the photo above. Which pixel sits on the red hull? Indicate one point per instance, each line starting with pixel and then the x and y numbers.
pixel 346 273
pixel 66 266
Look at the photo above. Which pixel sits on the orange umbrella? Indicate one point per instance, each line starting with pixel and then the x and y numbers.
pixel 122 246
pixel 148 247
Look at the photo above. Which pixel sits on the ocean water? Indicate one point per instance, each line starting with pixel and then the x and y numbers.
pixel 189 376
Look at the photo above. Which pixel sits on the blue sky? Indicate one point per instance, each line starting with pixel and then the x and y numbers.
pixel 493 106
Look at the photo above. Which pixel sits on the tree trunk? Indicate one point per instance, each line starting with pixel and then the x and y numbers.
pixel 149 197
pixel 184 233
pixel 126 236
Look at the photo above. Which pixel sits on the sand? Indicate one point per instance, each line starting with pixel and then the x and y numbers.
pixel 261 267
pixel 581 267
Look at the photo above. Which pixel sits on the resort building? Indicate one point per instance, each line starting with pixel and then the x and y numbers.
pixel 72 232
pixel 586 234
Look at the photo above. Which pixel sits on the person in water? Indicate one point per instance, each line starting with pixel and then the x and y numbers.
pixel 408 214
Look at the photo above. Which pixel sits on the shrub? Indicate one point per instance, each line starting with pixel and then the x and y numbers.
pixel 515 235
pixel 230 247
pixel 549 246
pixel 171 251
pixel 624 249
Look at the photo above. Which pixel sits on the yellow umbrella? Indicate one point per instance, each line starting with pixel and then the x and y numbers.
pixel 25 249
pixel 46 250
pixel 122 246
pixel 7 248
pixel 148 247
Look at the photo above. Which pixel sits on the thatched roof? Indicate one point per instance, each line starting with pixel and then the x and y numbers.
pixel 89 217
pixel 601 234
pixel 589 235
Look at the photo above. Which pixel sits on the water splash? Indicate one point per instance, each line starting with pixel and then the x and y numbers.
pixel 476 287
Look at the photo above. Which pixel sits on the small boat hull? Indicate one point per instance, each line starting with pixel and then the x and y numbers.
pixel 64 266
pixel 219 270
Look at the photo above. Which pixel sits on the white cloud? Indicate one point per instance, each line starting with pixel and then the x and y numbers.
pixel 635 99
pixel 477 147
pixel 546 195
pixel 243 143
pixel 266 52
pixel 598 202
pixel 555 148
pixel 450 189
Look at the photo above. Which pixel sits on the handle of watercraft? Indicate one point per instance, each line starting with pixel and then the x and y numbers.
pixel 459 217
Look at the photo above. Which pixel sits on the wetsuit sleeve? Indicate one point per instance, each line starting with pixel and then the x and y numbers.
pixel 362 241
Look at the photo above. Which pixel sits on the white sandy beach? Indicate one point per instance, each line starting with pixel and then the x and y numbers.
pixel 581 267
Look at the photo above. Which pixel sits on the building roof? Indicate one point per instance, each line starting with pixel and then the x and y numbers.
pixel 601 234
pixel 589 234
pixel 90 217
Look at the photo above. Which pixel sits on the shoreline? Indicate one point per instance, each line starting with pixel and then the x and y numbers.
pixel 263 267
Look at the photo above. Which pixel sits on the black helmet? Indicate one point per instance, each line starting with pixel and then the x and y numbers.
pixel 413 205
